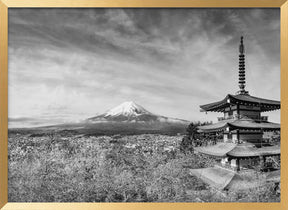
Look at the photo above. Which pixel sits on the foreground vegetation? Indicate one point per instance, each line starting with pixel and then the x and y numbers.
pixel 139 168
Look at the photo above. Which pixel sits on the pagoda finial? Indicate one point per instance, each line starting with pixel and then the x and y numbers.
pixel 242 68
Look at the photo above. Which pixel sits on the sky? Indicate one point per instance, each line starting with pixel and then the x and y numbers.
pixel 70 64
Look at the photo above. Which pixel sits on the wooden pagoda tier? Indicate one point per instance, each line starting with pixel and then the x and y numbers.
pixel 241 102
pixel 237 157
pixel 244 150
pixel 240 124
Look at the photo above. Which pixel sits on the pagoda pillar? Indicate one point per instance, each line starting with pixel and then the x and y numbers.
pixel 237 164
pixel 238 136
pixel 262 162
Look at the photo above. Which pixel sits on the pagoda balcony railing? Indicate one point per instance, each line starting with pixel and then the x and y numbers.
pixel 237 116
pixel 228 117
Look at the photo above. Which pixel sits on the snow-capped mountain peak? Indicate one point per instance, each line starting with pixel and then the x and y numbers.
pixel 128 109
pixel 132 112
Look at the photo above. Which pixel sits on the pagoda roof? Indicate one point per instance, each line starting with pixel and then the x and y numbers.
pixel 241 124
pixel 238 150
pixel 222 178
pixel 241 99
pixel 218 126
pixel 249 150
pixel 218 150
pixel 217 177
pixel 273 176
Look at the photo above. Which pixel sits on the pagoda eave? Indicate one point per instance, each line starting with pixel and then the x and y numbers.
pixel 216 177
pixel 241 99
pixel 250 125
pixel 218 150
pixel 241 125
pixel 244 150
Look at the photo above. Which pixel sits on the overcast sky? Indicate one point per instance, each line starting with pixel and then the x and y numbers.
pixel 70 64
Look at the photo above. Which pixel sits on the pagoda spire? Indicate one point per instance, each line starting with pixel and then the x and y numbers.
pixel 242 68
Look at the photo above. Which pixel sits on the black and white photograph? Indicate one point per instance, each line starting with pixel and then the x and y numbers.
pixel 144 105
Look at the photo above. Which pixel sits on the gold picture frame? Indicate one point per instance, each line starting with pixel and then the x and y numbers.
pixel 6 4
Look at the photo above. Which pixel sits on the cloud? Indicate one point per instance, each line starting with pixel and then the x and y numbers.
pixel 168 60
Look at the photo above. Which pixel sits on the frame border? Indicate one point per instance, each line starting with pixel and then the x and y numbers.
pixel 6 4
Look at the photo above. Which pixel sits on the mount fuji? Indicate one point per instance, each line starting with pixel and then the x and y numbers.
pixel 128 118
pixel 133 113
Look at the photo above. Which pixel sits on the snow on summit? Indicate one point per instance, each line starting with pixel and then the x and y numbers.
pixel 128 108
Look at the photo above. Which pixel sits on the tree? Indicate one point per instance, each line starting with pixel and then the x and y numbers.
pixel 189 139
pixel 186 145
pixel 192 137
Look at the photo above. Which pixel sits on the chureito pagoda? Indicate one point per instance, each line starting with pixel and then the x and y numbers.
pixel 243 147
